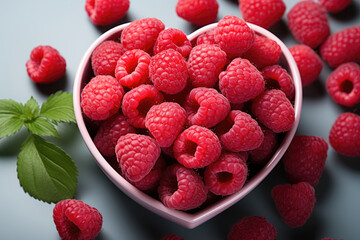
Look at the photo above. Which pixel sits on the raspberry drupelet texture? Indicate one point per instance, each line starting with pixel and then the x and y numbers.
pixel 304 160
pixel 206 38
pixel 132 68
pixel 206 107
pixel 342 47
pixel 165 122
pixel 181 188
pixel 253 227
pixel 138 101
pixel 343 84
pixel 101 97
pixel 136 155
pixel 172 38
pixel 264 13
pixel 263 153
pixel 274 110
pixel 198 12
pixel 45 65
pixel 196 147
pixel 109 132
pixel 294 203
pixel 106 12
pixel 335 6
pixel 171 237
pixel 277 77
pixel 75 219
pixel 241 81
pixel 205 64
pixel 227 175
pixel 168 71
pixel 308 62
pixel 234 36
pixel 344 134
pixel 308 23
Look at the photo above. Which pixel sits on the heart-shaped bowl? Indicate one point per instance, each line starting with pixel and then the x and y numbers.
pixel 194 218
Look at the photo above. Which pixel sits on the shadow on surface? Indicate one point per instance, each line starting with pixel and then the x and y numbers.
pixel 10 146
pixel 314 90
pixel 102 29
pixel 349 13
pixel 48 89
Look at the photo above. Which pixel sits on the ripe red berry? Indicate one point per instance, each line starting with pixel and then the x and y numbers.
pixel 171 237
pixel 206 38
pixel 277 77
pixel 106 12
pixel 262 154
pixel 172 38
pixel 335 6
pixel 198 12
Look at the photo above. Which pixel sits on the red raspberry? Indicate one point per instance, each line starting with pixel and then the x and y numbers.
pixel 165 122
pixel 106 12
pixel 277 77
pixel 205 64
pixel 344 135
pixel 181 188
pixel 343 84
pixel 105 56
pixel 101 97
pixel 197 147
pixel 241 81
pixel 264 52
pixel 171 237
pixel 253 227
pixel 138 101
pixel 335 6
pixel 227 175
pixel 308 23
pixel 239 132
pixel 206 38
pixel 198 12
pixel 342 47
pixel 264 13
pixel 142 34
pixel 109 132
pixel 274 110
pixel 304 160
pixel 294 202
pixel 234 36
pixel 136 155
pixel 132 68
pixel 172 38
pixel 206 107
pixel 308 63
pixel 45 65
pixel 168 71
pixel 75 219
pixel 262 154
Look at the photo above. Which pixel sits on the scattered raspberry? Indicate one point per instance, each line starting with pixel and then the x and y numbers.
pixel 263 13
pixel 181 188
pixel 335 6
pixel 171 237
pixel 234 36
pixel 277 77
pixel 168 71
pixel 206 38
pixel 341 47
pixel 101 97
pixel 132 68
pixel 343 84
pixel 241 81
pixel 308 23
pixel 263 153
pixel 136 155
pixel 106 12
pixel 75 219
pixel 142 34
pixel 274 110
pixel 197 147
pixel 165 122
pixel 205 64
pixel 294 202
pixel 138 101
pixel 198 12
pixel 304 160
pixel 308 63
pixel 45 65
pixel 344 135
pixel 253 227
pixel 172 38
pixel 239 132
pixel 227 175
pixel 109 132
pixel 206 107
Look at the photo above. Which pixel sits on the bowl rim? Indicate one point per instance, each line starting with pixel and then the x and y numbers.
pixel 188 220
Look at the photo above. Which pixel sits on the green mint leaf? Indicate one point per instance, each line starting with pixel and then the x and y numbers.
pixel 45 171
pixel 59 108
pixel 42 127
pixel 32 108
pixel 11 120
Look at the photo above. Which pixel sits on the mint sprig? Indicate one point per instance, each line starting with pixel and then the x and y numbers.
pixel 44 170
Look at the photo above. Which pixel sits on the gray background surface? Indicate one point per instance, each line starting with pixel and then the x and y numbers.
pixel 66 26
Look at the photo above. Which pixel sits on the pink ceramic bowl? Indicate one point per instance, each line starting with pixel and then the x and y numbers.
pixel 188 220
